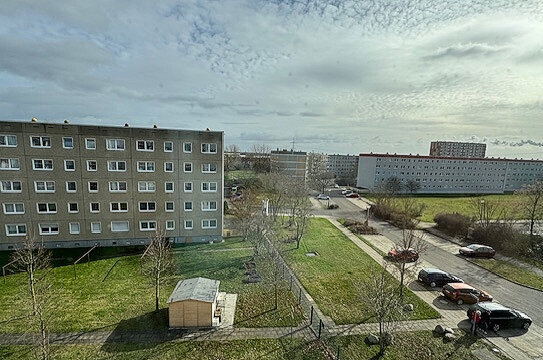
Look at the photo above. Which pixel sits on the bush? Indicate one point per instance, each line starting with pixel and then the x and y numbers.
pixel 333 206
pixel 359 228
pixel 503 237
pixel 385 212
pixel 453 224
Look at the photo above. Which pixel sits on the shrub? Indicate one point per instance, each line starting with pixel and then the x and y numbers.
pixel 333 206
pixel 359 228
pixel 388 213
pixel 505 238
pixel 453 224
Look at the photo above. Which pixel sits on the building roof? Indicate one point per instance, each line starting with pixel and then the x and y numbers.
pixel 410 156
pixel 199 289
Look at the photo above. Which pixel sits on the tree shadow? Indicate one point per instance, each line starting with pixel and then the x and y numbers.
pixel 441 302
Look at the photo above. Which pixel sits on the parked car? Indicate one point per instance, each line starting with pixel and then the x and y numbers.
pixel 436 277
pixel 477 250
pixel 495 316
pixel 323 197
pixel 352 195
pixel 463 293
pixel 403 255
pixel 345 192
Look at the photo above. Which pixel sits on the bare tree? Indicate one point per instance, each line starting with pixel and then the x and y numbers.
pixel 485 211
pixel 32 258
pixel 274 186
pixel 260 154
pixel 412 186
pixel 158 261
pixel 244 209
pixel 384 300
pixel 232 158
pixel 319 178
pixel 302 214
pixel 532 204
pixel 296 197
pixel 411 240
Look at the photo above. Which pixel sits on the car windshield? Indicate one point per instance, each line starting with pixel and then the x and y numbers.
pixel 473 247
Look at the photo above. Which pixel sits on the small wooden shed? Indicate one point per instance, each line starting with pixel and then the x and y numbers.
pixel 193 303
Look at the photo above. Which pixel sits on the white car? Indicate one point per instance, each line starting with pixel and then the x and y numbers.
pixel 346 192
pixel 323 197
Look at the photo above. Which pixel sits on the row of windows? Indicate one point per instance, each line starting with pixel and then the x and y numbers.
pixel 112 165
pixel 15 186
pixel 467 161
pixel 111 144
pixel 73 207
pixel 74 228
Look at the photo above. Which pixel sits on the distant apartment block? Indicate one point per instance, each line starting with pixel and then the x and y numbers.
pixel 343 166
pixel 289 162
pixel 449 175
pixel 457 149
pixel 80 185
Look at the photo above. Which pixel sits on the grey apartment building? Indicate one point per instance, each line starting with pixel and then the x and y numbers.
pixel 449 175
pixel 80 185
pixel 289 162
pixel 457 149
pixel 342 166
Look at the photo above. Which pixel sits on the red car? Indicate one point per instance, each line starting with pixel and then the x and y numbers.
pixel 352 195
pixel 477 250
pixel 403 255
pixel 463 293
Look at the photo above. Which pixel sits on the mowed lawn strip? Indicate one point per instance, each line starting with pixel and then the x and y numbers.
pixel 333 277
pixel 125 299
pixel 282 349
pixel 511 272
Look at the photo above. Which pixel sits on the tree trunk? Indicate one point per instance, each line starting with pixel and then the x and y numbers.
pixel 402 275
pixel 157 290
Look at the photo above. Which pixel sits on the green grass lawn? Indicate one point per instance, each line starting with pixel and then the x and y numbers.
pixel 422 345
pixel 463 205
pixel 125 300
pixel 282 349
pixel 239 175
pixel 332 277
pixel 511 271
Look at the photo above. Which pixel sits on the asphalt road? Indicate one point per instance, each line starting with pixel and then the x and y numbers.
pixel 505 292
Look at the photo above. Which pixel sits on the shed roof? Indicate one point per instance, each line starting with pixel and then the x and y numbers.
pixel 200 289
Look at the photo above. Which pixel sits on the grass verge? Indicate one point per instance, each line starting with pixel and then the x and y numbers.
pixel 333 278
pixel 511 272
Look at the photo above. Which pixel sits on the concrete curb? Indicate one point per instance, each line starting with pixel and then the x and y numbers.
pixel 474 263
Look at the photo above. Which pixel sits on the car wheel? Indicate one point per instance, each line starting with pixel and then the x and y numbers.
pixel 433 284
pixel 459 301
pixel 526 325
pixel 496 327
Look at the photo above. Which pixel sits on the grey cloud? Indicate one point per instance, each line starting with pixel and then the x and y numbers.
pixel 466 50
pixel 517 143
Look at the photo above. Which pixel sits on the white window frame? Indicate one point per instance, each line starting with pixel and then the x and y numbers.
pixel 10 162
pixel 209 146
pixel 17 227
pixel 127 229
pixel 99 230
pixel 185 206
pixel 185 149
pixel 147 206
pixel 71 191
pixel 208 170
pixel 6 142
pixel 188 227
pixel 14 212
pixel 118 183
pixel 146 190
pixel 209 224
pixel 166 163
pixel 43 162
pixel 170 227
pixel 118 203
pixel 72 232
pixel 89 162
pixel 41 140
pixel 185 186
pixel 72 211
pixel 116 143
pixel 206 205
pixel 94 211
pixel 45 184
pixel 185 167
pixel 66 165
pixel 146 165
pixel 116 162
pixel 48 211
pixel 50 226
pixel 166 206
pixel 10 182
pixel 168 142
pixel 145 145
pixel 64 138
pixel 209 185
pixel 148 222
pixel 97 186
pixel 89 141
pixel 166 187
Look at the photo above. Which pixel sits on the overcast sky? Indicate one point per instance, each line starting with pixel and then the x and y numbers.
pixel 337 76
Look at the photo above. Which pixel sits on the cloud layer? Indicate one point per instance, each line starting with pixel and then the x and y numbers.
pixel 337 76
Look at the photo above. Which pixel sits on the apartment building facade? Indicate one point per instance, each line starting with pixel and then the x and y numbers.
pixel 457 149
pixel 343 166
pixel 449 175
pixel 80 185
pixel 289 162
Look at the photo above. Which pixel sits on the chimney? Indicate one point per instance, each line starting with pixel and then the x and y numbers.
pixel 66 121
pixel 34 119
